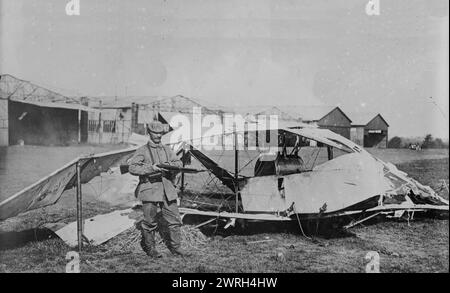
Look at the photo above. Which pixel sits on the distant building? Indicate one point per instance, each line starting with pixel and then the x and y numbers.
pixel 40 116
pixel 31 114
pixel 111 124
pixel 116 118
pixel 165 108
pixel 328 117
pixel 369 130
pixel 119 117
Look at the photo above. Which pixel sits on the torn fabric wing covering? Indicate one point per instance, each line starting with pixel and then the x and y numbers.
pixel 402 184
pixel 223 175
pixel 386 181
pixel 331 186
pixel 49 189
pixel 352 182
pixel 93 165
pixel 320 135
pixel 326 137
pixel 98 229
pixel 356 181
pixel 45 192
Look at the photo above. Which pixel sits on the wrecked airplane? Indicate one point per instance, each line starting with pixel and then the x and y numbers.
pixel 285 186
pixel 354 182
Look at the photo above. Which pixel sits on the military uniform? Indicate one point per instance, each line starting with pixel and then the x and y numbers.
pixel 158 195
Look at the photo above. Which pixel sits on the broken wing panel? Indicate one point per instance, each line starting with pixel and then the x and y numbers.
pixel 45 192
pixel 48 190
pixel 98 229
pixel 113 187
pixel 327 137
pixel 263 194
pixel 352 182
pixel 417 192
pixel 335 185
pixel 94 165
pixel 332 190
pixel 223 175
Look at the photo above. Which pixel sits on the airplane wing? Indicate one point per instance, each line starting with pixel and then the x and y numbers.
pixel 323 136
pixel 327 137
pixel 223 175
pixel 49 189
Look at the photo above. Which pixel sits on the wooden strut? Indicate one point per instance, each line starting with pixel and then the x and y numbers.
pixel 360 221
pixel 236 168
pixel 205 223
pixel 183 159
pixel 259 241
pixel 79 126
pixel 79 209
pixel 445 184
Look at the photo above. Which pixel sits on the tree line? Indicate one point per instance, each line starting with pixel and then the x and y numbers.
pixel 429 142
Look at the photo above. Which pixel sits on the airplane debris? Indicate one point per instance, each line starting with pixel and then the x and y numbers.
pixel 98 229
pixel 231 223
pixel 353 183
pixel 259 241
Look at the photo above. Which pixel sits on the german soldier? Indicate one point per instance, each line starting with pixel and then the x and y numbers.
pixel 157 192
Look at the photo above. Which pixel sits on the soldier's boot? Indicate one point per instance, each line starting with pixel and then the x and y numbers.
pixel 174 242
pixel 153 253
pixel 180 252
pixel 148 244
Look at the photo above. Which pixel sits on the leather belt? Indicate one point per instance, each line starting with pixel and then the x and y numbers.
pixel 150 180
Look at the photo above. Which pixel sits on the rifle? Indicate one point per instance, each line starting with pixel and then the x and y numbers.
pixel 124 168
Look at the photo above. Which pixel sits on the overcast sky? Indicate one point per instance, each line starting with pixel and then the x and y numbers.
pixel 281 52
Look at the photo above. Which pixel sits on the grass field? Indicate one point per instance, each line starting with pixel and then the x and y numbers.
pixel 421 246
pixel 399 156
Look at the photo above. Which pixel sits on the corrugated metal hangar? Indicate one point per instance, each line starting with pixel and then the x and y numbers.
pixel 36 115
pixel 31 114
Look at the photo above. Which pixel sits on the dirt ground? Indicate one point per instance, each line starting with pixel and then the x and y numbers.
pixel 420 246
